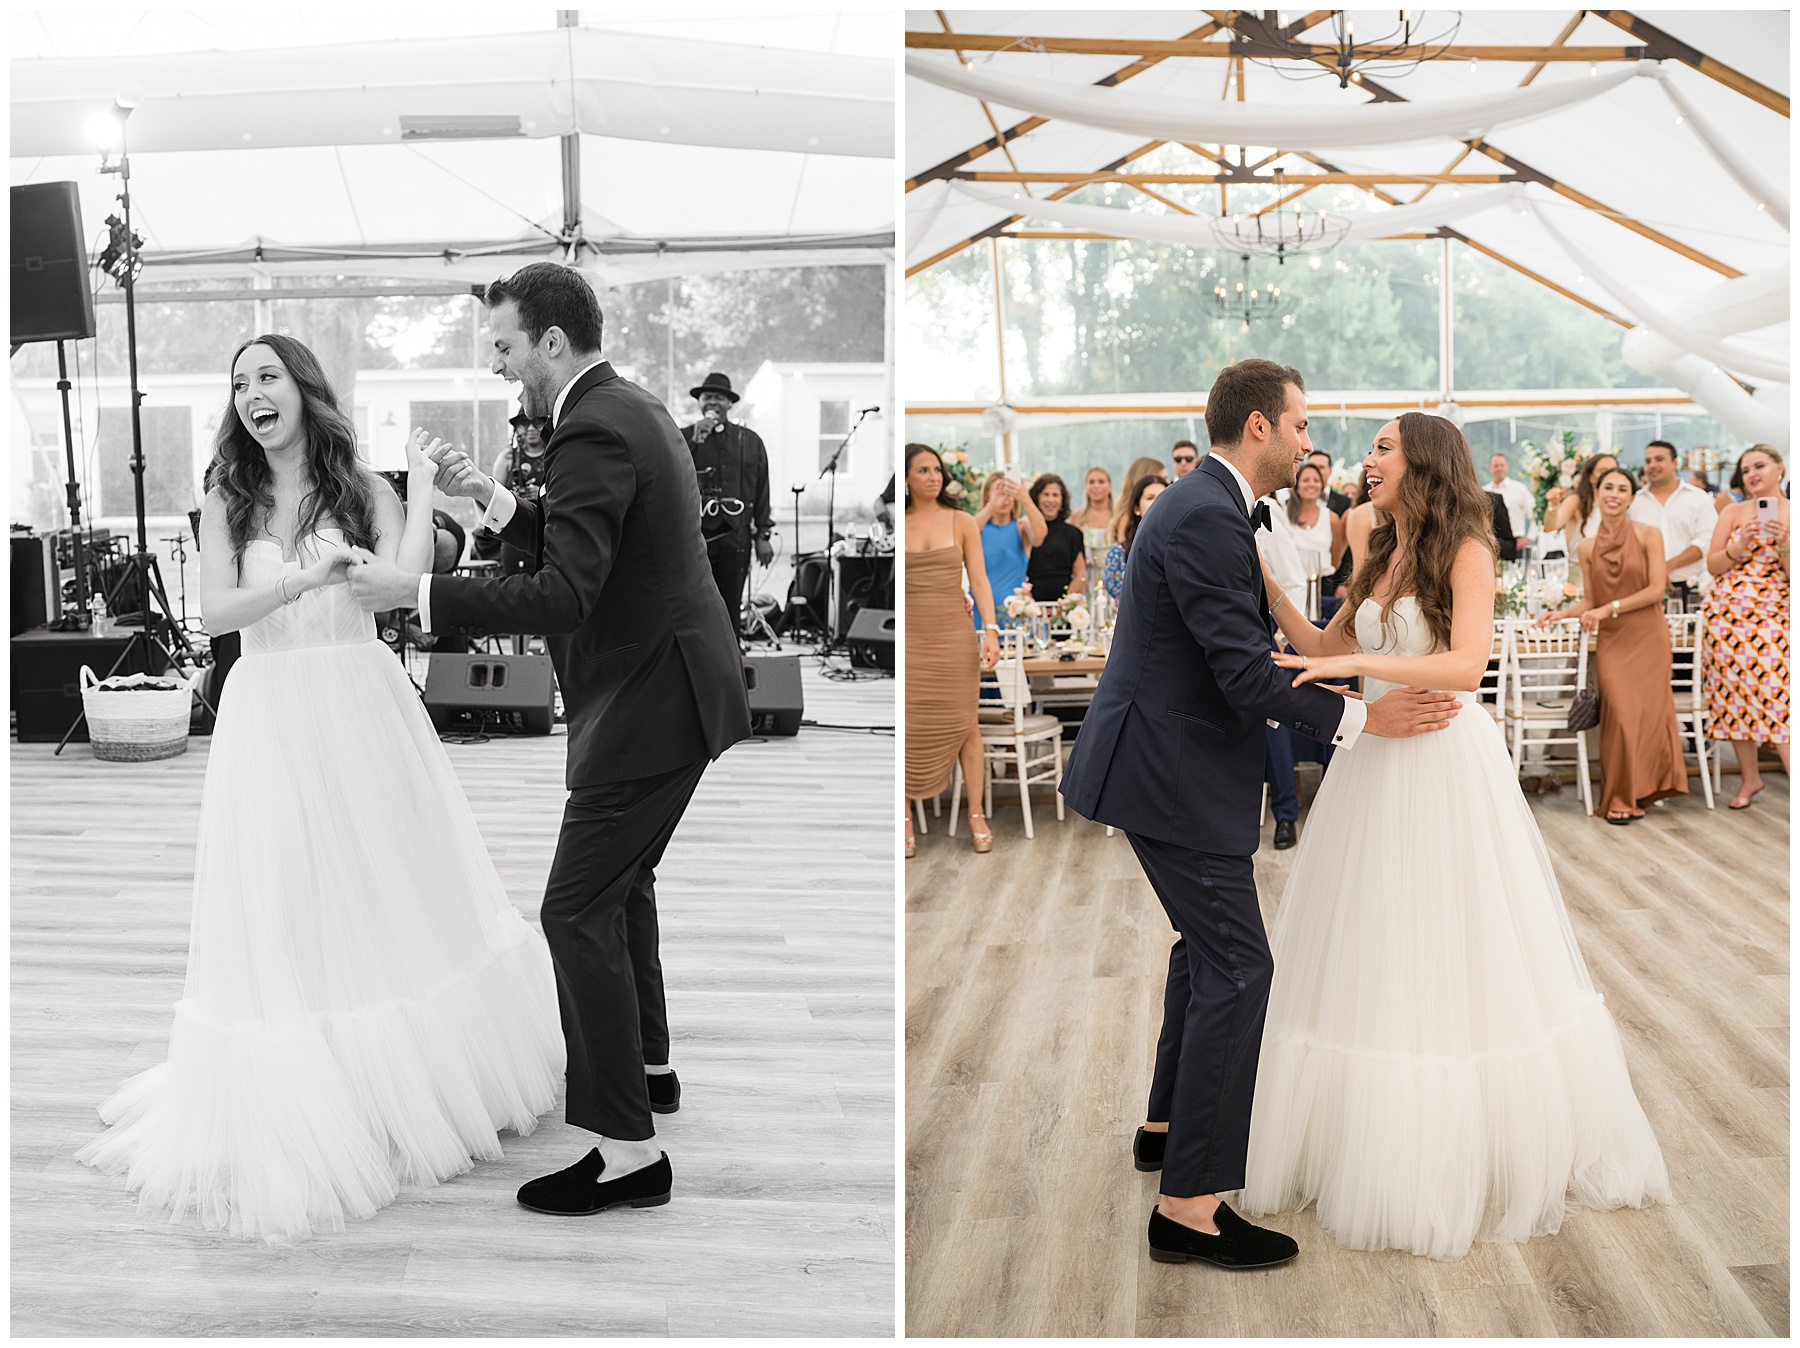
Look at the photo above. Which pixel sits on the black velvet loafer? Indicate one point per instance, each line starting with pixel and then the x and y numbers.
pixel 1238 1244
pixel 1147 1149
pixel 579 1190
pixel 665 1092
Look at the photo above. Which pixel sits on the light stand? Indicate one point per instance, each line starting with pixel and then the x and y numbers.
pixel 121 260
pixel 78 618
pixel 831 537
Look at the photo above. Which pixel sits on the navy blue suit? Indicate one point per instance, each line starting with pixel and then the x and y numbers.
pixel 1171 751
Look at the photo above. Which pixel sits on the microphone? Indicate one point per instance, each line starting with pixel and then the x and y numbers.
pixel 867 410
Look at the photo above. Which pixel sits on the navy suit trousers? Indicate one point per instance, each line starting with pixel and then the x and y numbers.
pixel 1213 1008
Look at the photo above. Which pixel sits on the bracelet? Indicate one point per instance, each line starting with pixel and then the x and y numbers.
pixel 1615 608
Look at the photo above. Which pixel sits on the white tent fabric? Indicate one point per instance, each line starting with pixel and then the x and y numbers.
pixel 1215 122
pixel 1199 231
pixel 469 210
pixel 1669 329
pixel 668 91
pixel 1743 172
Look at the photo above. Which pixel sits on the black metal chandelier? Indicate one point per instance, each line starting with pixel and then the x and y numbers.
pixel 1414 38
pixel 1246 301
pixel 1282 229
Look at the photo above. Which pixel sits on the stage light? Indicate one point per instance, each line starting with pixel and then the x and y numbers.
pixel 103 131
pixel 130 95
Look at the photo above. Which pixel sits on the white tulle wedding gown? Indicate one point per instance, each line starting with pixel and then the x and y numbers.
pixel 1436 1066
pixel 364 1008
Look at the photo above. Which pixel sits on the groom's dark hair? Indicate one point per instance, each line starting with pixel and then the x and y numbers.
pixel 550 295
pixel 1253 385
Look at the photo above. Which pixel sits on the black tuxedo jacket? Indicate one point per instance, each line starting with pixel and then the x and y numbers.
pixel 1172 747
pixel 650 673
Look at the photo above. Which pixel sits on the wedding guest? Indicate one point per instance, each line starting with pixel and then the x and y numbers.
pixel 1684 515
pixel 943 667
pixel 1640 742
pixel 1094 519
pixel 1314 528
pixel 1143 491
pixel 1359 520
pixel 1518 500
pixel 1573 512
pixel 1504 538
pixel 1335 500
pixel 1746 621
pixel 1057 566
pixel 1141 467
pixel 1185 454
pixel 1011 526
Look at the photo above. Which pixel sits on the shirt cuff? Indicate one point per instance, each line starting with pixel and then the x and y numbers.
pixel 424 604
pixel 1350 726
pixel 500 510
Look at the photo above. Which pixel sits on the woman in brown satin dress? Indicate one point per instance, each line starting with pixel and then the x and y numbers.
pixel 1624 574
pixel 943 664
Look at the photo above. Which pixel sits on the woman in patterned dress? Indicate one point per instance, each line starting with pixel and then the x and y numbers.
pixel 1746 616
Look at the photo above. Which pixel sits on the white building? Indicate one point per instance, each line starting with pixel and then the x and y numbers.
pixel 803 410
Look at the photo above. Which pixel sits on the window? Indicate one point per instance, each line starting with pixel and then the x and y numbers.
pixel 169 487
pixel 834 425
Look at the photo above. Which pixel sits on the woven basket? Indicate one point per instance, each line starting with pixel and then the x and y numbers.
pixel 136 726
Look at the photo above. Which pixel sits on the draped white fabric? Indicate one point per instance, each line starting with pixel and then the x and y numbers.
pixel 1203 231
pixel 1735 358
pixel 628 86
pixel 1213 121
pixel 1740 169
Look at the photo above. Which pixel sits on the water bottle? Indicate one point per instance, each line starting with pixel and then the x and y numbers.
pixel 102 621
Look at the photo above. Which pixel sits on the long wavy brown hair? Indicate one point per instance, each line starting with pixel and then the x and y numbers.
pixel 1587 481
pixel 342 491
pixel 1443 501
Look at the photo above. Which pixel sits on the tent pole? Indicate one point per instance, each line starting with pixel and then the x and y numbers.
pixel 571 167
pixel 1447 324
pixel 1006 440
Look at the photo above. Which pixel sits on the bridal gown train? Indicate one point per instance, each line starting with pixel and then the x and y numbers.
pixel 1436 1065
pixel 364 1009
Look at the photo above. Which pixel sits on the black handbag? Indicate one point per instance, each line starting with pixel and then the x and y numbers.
pixel 1584 711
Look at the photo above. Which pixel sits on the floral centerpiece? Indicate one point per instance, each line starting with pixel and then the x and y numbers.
pixel 1555 465
pixel 964 478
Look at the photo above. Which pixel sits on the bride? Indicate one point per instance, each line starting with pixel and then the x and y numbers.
pixel 364 1009
pixel 1437 1068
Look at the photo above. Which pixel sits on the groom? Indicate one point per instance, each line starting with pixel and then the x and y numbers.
pixel 651 682
pixel 1171 752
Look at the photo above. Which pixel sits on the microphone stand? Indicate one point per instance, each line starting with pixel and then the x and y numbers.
pixel 829 473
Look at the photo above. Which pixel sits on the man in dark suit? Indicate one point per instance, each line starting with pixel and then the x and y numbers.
pixel 652 684
pixel 1171 752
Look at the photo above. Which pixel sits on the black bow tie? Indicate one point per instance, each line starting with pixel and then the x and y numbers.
pixel 1259 515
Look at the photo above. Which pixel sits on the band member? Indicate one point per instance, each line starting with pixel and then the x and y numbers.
pixel 733 468
pixel 520 469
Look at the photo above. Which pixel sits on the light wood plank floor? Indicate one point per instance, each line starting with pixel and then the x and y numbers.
pixel 1034 993
pixel 777 901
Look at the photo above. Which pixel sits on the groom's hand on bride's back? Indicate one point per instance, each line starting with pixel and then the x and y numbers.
pixel 1410 711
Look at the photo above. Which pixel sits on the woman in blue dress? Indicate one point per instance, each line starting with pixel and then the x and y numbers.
pixel 1011 526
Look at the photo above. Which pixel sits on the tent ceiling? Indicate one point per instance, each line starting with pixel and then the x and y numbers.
pixel 735 177
pixel 1622 150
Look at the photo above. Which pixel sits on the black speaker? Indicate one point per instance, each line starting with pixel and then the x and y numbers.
pixel 46 678
pixel 773 682
pixel 872 638
pixel 863 582
pixel 51 301
pixel 36 583
pixel 513 694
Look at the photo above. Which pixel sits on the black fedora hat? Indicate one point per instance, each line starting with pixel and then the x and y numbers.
pixel 714 383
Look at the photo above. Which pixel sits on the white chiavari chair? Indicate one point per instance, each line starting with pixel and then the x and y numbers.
pixel 1549 666
pixel 1009 733
pixel 1687 679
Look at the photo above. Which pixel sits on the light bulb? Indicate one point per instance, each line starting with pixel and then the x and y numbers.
pixel 1679 119
pixel 103 130
pixel 1474 64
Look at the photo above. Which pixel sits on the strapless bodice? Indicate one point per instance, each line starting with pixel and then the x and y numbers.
pixel 322 617
pixel 1404 634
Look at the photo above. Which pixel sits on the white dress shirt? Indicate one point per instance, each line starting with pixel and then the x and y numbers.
pixel 1686 521
pixel 1350 724
pixel 502 505
pixel 1519 502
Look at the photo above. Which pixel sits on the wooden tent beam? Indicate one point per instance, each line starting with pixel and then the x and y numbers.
pixel 1235 178
pixel 1182 47
pixel 1663 46
pixel 1012 133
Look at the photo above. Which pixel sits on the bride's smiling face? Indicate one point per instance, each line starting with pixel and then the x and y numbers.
pixel 1385 466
